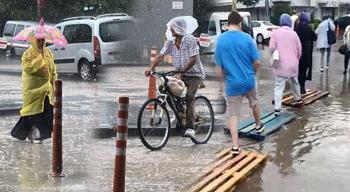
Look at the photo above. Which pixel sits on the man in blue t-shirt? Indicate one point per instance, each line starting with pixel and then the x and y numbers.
pixel 237 60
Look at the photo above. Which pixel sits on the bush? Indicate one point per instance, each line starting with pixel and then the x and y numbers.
pixel 314 23
pixel 277 10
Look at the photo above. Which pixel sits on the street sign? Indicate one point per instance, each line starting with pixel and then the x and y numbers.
pixel 178 4
pixel 204 40
pixel 3 43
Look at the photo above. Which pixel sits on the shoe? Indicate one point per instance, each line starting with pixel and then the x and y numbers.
pixel 260 129
pixel 327 67
pixel 277 112
pixel 321 69
pixel 297 103
pixel 172 120
pixel 235 150
pixel 344 72
pixel 37 141
pixel 189 133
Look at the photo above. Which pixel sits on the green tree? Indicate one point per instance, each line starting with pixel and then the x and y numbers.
pixel 249 3
pixel 278 9
pixel 55 10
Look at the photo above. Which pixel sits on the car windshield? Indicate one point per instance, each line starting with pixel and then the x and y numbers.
pixel 117 31
pixel 266 23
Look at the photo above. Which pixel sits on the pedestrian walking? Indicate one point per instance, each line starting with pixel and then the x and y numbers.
pixel 237 62
pixel 184 51
pixel 287 43
pixel 322 39
pixel 294 18
pixel 346 38
pixel 307 37
pixel 38 75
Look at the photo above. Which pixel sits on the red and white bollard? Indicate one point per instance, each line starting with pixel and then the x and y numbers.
pixel 121 140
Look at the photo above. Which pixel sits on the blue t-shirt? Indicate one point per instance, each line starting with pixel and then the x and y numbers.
pixel 235 53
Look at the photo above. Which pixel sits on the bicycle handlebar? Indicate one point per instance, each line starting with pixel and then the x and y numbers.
pixel 169 73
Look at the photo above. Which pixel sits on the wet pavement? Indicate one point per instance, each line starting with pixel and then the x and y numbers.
pixel 310 154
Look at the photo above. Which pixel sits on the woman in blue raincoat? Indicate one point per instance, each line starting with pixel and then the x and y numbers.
pixel 38 75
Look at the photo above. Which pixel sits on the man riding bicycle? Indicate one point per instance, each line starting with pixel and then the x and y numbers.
pixel 184 51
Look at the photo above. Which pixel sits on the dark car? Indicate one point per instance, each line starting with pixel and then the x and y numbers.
pixel 342 22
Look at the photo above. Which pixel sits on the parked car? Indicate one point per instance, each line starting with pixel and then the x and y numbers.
pixel 342 22
pixel 262 30
pixel 94 41
pixel 218 24
pixel 11 29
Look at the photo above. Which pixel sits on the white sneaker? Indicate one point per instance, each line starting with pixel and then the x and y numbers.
pixel 321 69
pixel 37 141
pixel 172 120
pixel 190 133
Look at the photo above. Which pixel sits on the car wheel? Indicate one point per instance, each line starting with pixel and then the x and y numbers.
pixel 259 38
pixel 9 52
pixel 86 71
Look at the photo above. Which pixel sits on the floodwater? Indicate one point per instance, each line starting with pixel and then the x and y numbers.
pixel 311 153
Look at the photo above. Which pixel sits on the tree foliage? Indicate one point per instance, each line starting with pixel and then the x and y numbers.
pixel 249 3
pixel 55 10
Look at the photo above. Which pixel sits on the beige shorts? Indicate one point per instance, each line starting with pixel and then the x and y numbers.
pixel 234 103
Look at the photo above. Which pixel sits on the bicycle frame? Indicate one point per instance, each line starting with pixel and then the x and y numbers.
pixel 165 96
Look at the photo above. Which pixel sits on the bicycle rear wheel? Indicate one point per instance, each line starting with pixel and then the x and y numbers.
pixel 153 123
pixel 204 120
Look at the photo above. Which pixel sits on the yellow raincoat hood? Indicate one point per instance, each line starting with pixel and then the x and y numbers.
pixel 38 75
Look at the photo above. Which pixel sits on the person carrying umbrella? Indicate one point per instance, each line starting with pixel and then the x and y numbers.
pixel 184 50
pixel 38 75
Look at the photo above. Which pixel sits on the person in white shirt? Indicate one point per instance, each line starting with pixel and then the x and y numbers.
pixel 322 39
pixel 294 18
pixel 346 38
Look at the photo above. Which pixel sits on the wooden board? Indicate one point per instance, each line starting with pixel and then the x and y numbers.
pixel 309 97
pixel 272 123
pixel 228 170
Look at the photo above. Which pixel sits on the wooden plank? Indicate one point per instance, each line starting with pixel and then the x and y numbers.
pixel 197 187
pixel 221 161
pixel 223 153
pixel 224 177
pixel 320 95
pixel 271 126
pixel 249 122
pixel 238 176
pixel 289 100
pixel 252 127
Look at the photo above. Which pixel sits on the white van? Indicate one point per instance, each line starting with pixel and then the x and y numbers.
pixel 218 24
pixel 93 41
pixel 11 29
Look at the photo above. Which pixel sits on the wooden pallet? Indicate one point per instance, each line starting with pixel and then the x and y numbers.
pixel 228 170
pixel 309 97
pixel 272 123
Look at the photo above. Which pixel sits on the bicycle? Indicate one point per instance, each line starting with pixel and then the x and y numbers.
pixel 153 120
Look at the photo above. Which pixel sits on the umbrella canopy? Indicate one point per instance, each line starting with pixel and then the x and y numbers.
pixel 183 24
pixel 42 31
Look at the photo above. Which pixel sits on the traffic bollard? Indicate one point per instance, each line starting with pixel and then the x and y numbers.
pixel 121 140
pixel 57 167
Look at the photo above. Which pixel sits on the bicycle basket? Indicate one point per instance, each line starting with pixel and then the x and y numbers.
pixel 176 86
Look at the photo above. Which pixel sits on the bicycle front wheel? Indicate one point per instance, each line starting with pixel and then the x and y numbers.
pixel 153 123
pixel 204 120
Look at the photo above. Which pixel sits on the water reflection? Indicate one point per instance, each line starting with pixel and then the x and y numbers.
pixel 324 81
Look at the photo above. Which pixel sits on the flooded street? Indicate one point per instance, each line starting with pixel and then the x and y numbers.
pixel 311 153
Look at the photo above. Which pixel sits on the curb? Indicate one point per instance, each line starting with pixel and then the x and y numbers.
pixel 109 132
pixel 9 111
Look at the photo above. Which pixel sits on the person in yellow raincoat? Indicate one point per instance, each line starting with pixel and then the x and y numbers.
pixel 38 75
